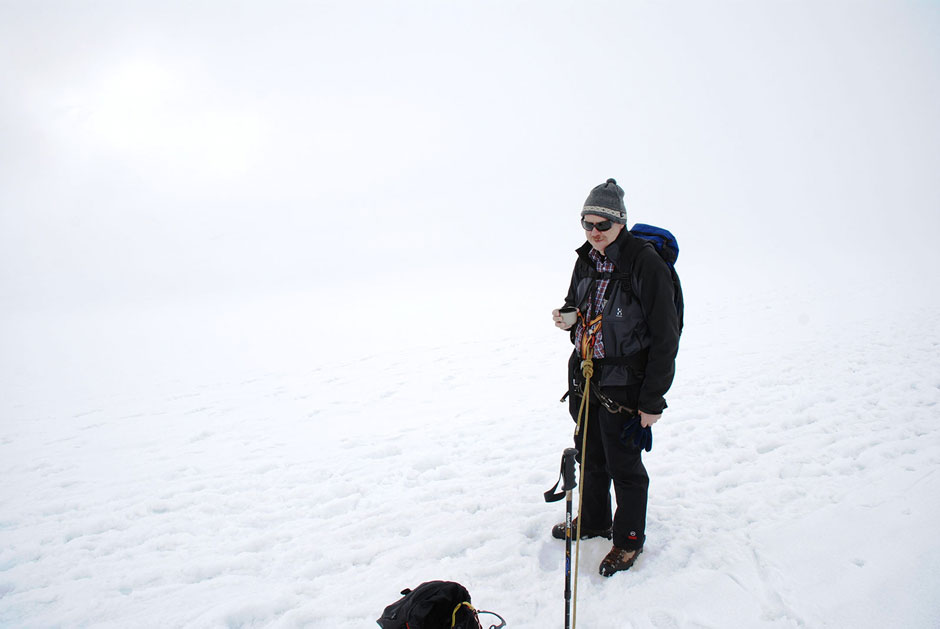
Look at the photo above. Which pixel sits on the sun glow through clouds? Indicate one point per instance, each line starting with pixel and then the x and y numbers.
pixel 153 112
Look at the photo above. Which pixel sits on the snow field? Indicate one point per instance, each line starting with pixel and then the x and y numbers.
pixel 793 484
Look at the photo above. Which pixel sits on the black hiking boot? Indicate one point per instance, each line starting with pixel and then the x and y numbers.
pixel 558 531
pixel 618 559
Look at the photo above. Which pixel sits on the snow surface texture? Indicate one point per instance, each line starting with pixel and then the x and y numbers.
pixel 793 477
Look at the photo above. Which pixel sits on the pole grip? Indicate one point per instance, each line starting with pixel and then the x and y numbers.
pixel 566 477
pixel 567 469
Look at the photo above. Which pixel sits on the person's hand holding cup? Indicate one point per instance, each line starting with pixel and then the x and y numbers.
pixel 565 317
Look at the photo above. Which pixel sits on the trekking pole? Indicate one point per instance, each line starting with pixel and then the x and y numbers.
pixel 567 482
pixel 567 466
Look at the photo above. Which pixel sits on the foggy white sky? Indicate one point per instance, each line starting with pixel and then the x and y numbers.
pixel 151 151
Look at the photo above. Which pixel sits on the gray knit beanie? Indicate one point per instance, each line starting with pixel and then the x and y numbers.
pixel 606 200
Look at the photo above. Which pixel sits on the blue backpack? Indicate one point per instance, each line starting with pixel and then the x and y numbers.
pixel 667 247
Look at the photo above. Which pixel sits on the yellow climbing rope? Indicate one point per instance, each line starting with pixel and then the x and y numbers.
pixel 588 339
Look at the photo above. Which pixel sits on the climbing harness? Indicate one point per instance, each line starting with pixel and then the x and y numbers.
pixel 609 403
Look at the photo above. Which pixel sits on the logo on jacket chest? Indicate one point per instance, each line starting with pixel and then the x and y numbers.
pixel 619 313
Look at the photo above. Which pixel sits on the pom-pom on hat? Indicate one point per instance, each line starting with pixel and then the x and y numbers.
pixel 606 200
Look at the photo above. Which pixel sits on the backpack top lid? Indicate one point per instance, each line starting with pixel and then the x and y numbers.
pixel 665 243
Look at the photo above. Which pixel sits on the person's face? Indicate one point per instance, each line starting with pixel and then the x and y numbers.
pixel 600 239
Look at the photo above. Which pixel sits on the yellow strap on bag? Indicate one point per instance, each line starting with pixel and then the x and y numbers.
pixel 453 617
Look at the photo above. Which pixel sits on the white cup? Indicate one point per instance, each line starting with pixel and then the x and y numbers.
pixel 569 315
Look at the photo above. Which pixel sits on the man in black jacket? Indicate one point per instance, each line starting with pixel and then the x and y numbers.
pixel 628 325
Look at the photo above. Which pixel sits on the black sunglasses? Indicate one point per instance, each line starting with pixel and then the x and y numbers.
pixel 601 227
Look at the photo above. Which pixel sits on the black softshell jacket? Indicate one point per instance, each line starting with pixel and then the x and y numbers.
pixel 640 326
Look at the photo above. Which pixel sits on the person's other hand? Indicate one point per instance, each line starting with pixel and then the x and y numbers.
pixel 559 322
pixel 647 419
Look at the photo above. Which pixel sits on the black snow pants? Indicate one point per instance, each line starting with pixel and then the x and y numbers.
pixel 610 460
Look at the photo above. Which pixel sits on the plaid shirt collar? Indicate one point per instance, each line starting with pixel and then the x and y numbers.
pixel 603 262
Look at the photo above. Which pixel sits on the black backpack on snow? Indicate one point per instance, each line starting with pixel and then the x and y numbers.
pixel 433 605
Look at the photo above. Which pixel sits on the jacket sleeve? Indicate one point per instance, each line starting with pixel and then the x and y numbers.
pixel 653 282
pixel 571 297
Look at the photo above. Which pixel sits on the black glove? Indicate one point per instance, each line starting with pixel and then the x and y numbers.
pixel 641 437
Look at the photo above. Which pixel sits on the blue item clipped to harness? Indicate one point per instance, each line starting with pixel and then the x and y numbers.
pixel 641 437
